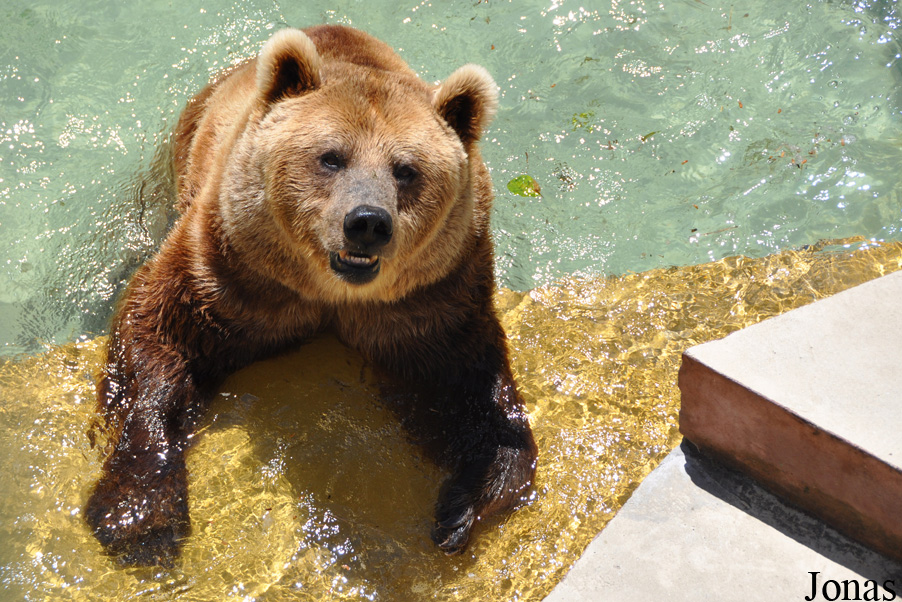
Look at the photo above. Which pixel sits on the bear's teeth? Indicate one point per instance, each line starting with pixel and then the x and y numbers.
pixel 361 260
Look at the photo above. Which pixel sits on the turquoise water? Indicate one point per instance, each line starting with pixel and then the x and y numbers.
pixel 660 133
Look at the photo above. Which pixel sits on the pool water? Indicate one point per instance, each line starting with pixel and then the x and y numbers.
pixel 667 138
pixel 305 487
pixel 660 133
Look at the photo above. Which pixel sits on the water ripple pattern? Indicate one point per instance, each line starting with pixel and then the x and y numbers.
pixel 305 487
pixel 658 133
pixel 685 159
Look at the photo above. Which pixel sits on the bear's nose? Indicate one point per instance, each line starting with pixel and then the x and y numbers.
pixel 369 227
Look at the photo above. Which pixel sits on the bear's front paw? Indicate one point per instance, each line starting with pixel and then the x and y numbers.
pixel 454 520
pixel 141 520
pixel 489 484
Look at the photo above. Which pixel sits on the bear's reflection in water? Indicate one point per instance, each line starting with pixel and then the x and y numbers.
pixel 306 487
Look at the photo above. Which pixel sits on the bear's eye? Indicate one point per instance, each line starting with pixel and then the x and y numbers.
pixel 332 161
pixel 405 174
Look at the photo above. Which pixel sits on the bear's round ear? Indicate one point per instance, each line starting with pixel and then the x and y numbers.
pixel 467 101
pixel 288 65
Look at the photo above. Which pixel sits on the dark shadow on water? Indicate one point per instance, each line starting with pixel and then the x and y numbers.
pixel 743 493
pixel 359 460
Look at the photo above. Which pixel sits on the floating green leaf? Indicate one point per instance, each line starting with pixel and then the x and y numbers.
pixel 524 185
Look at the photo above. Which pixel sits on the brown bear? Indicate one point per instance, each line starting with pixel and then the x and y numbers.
pixel 321 185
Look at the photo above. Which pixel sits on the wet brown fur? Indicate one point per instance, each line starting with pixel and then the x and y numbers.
pixel 245 273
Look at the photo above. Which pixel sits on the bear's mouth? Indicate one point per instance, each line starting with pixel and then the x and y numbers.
pixel 357 268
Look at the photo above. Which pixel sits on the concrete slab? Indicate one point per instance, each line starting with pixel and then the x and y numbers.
pixel 810 404
pixel 696 530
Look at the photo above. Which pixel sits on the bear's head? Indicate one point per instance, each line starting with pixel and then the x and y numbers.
pixel 352 181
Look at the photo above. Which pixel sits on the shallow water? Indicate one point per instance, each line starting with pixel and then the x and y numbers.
pixel 661 134
pixel 304 487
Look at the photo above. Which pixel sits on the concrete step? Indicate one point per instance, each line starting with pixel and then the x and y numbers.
pixel 695 530
pixel 807 406
pixel 810 404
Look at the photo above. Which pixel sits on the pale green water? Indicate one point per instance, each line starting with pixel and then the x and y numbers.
pixel 89 90
pixel 629 114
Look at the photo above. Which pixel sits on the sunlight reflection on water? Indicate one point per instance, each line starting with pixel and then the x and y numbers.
pixel 661 134
pixel 303 486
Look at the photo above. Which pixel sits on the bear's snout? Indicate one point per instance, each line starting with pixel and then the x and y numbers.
pixel 368 228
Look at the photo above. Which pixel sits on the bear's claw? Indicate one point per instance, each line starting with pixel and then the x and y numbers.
pixel 452 540
pixel 452 529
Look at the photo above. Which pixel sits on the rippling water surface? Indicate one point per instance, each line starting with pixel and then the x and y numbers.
pixel 660 133
pixel 667 138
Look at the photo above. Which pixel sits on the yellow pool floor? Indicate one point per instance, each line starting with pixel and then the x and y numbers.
pixel 305 487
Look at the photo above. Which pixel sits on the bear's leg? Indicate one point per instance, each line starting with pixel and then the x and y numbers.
pixel 139 508
pixel 489 434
